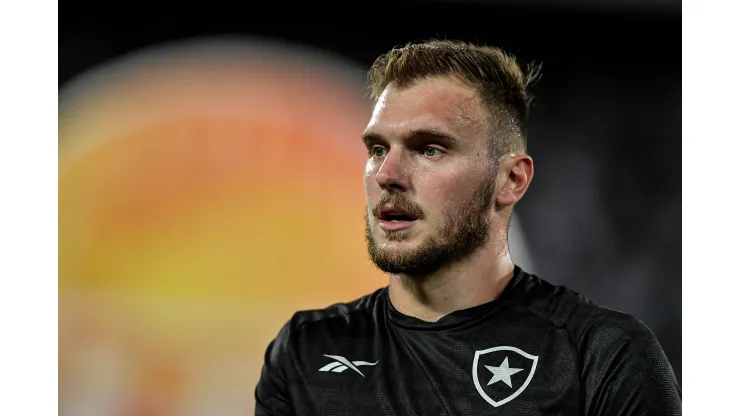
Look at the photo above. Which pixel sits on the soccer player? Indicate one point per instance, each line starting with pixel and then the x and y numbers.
pixel 460 329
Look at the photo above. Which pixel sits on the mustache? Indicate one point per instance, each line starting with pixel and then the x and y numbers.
pixel 400 202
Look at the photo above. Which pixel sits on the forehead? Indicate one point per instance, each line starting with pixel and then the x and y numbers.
pixel 441 103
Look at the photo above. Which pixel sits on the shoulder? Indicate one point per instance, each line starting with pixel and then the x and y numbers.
pixel 620 359
pixel 590 326
pixel 340 318
pixel 341 315
pixel 294 341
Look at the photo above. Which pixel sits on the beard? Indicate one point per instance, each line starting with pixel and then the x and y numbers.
pixel 464 229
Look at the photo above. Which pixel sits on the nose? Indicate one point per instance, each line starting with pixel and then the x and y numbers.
pixel 393 174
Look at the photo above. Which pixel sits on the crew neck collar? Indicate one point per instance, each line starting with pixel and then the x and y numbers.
pixel 453 319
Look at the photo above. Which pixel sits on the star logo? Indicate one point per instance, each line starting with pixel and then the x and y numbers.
pixel 502 372
pixel 508 379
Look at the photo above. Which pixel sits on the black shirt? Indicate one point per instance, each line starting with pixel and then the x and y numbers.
pixel 538 349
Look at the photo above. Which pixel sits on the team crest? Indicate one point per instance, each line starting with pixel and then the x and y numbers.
pixel 502 373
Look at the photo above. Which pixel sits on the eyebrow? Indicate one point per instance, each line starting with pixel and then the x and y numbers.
pixel 424 133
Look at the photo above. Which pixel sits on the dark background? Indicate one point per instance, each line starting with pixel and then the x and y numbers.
pixel 603 214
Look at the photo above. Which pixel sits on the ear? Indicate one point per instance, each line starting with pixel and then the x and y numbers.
pixel 514 176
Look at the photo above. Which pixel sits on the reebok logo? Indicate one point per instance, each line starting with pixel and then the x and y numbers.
pixel 340 364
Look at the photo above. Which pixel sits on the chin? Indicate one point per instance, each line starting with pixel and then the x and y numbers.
pixel 395 250
pixel 404 237
pixel 396 247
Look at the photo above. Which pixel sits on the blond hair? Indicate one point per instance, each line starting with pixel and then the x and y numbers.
pixel 502 85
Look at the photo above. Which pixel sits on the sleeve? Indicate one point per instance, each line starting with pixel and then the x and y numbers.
pixel 271 394
pixel 627 373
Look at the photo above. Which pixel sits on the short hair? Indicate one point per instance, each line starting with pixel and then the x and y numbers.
pixel 502 85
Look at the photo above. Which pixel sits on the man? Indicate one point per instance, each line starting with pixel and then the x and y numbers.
pixel 460 329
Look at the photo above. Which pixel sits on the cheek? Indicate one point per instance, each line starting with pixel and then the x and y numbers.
pixel 369 168
pixel 369 171
pixel 436 195
pixel 447 194
pixel 371 186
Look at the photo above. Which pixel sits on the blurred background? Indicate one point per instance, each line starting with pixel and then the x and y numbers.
pixel 210 177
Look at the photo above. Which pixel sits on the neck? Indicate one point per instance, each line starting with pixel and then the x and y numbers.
pixel 478 279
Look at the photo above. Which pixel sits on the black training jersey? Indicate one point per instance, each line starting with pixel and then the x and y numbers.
pixel 538 349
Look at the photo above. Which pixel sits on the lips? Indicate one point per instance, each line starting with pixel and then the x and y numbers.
pixel 393 218
pixel 392 213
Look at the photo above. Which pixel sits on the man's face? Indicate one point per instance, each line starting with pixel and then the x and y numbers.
pixel 428 179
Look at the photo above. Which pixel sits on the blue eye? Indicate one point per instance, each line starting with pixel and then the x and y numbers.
pixel 377 151
pixel 431 151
